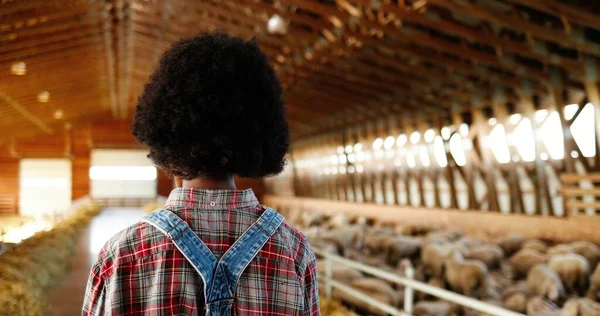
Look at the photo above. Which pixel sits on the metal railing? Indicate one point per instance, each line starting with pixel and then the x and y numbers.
pixel 410 285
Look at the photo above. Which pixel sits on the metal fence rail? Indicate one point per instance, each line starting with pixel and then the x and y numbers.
pixel 410 286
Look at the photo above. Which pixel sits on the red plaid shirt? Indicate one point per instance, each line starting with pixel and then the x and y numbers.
pixel 140 272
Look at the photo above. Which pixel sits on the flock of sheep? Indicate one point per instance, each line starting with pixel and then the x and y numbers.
pixel 529 276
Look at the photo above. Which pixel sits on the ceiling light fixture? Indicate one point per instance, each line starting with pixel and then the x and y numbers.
pixel 43 96
pixel 18 68
pixel 276 25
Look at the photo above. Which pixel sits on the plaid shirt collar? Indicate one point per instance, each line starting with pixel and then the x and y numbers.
pixel 205 199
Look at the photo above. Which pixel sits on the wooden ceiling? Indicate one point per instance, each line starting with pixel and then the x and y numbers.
pixel 341 61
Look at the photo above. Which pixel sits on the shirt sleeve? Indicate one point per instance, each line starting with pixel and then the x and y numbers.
pixel 93 302
pixel 311 289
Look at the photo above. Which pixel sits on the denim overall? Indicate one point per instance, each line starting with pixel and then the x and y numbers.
pixel 220 277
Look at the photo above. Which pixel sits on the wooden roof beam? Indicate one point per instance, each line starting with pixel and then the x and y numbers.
pixel 561 10
pixel 25 113
pixel 501 45
pixel 519 25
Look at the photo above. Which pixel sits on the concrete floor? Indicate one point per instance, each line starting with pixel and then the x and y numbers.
pixel 67 298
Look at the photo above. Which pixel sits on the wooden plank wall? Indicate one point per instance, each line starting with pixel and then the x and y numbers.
pixel 9 184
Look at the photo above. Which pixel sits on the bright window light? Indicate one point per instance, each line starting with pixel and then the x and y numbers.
pixel 358 147
pixel 379 154
pixel 552 136
pixel 342 170
pixel 424 156
pixel 351 169
pixel 498 145
pixel 334 170
pixel 570 111
pixel 360 156
pixel 523 140
pixel 540 115
pixel 123 173
pixel 457 150
pixel 492 121
pixel 415 137
pixel 582 130
pixel 401 140
pixel 45 182
pixel 445 133
pixel 439 152
pixel 397 162
pixel 464 129
pixel 334 159
pixel 360 168
pixel 377 143
pixel 390 153
pixel 575 154
pixel 352 158
pixel 340 149
pixel 348 149
pixel 429 135
pixel 544 156
pixel 410 159
pixel 389 142
pixel 342 159
pixel 515 118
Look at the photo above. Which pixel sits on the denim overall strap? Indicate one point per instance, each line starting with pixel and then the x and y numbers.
pixel 188 243
pixel 220 277
pixel 237 258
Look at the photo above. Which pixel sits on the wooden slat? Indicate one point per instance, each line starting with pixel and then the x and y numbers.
pixel 579 192
pixel 570 178
pixel 583 205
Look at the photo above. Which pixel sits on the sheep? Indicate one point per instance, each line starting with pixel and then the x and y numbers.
pixel 340 273
pixel 524 260
pixel 433 257
pixel 518 287
pixel 436 308
pixel 593 292
pixel 544 282
pixel 401 247
pixel 469 242
pixel 437 282
pixel 573 270
pixel 588 250
pixel 580 306
pixel 511 244
pixel 537 306
pixel 516 302
pixel 442 236
pixel 464 276
pixel 490 255
pixel 561 249
pixel 375 288
pixel 536 245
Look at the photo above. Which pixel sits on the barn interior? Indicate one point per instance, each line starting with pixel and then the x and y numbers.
pixel 421 129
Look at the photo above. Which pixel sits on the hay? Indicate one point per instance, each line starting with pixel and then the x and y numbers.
pixel 331 307
pixel 28 271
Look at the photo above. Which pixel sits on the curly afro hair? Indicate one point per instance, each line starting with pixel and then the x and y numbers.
pixel 213 107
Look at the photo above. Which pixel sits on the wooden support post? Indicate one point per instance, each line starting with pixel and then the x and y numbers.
pixel 593 94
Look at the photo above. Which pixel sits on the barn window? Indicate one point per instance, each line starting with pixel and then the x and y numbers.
pixel 552 136
pixel 499 147
pixel 523 140
pixel 439 152
pixel 570 111
pixel 377 143
pixel 582 130
pixel 457 150
pixel 424 156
